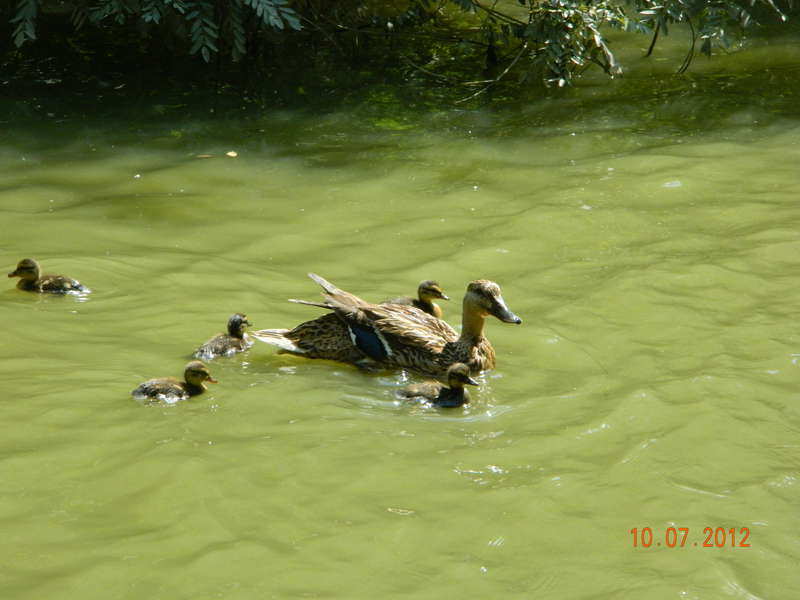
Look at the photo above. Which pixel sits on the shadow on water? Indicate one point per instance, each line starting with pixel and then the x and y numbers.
pixel 649 99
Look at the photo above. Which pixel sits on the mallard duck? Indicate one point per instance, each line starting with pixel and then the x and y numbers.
pixel 394 335
pixel 450 396
pixel 427 292
pixel 32 280
pixel 170 389
pixel 227 344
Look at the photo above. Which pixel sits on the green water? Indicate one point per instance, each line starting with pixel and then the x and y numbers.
pixel 648 239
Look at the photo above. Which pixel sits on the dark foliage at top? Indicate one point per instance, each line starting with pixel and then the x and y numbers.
pixel 547 40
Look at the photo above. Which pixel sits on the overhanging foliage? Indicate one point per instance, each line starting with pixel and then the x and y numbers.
pixel 552 40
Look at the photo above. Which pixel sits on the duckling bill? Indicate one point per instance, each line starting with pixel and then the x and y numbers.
pixel 171 390
pixel 227 344
pixel 32 280
pixel 427 292
pixel 451 396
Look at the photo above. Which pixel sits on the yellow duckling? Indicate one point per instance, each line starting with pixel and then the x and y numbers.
pixel 171 389
pixel 394 335
pixel 227 344
pixel 32 280
pixel 451 396
pixel 427 292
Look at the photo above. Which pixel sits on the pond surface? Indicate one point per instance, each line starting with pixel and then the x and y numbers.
pixel 647 234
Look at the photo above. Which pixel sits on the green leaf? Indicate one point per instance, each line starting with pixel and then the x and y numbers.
pixel 25 19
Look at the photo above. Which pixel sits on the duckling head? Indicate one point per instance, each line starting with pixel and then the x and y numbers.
pixel 237 324
pixel 27 268
pixel 196 373
pixel 431 290
pixel 484 295
pixel 458 376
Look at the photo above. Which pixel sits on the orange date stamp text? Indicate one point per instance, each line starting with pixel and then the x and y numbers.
pixel 678 537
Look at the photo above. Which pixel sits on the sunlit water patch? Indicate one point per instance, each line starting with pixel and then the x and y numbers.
pixel 651 385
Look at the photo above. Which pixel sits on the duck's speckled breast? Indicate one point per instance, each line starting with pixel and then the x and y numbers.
pixel 477 357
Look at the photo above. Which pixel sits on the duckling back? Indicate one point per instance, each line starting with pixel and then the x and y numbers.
pixel 168 389
pixel 227 344
pixel 427 391
pixel 59 284
pixel 222 345
pixel 436 393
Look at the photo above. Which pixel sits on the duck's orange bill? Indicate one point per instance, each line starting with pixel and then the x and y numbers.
pixel 211 380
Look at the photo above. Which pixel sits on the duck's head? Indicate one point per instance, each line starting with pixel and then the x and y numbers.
pixel 430 290
pixel 196 373
pixel 237 324
pixel 484 296
pixel 458 376
pixel 27 268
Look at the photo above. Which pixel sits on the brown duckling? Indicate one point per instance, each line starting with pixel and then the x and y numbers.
pixel 171 389
pixel 32 280
pixel 427 292
pixel 227 344
pixel 451 396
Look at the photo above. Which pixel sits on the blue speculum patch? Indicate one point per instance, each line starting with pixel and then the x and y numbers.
pixel 368 341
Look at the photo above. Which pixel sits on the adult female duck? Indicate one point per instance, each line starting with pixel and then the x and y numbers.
pixel 393 335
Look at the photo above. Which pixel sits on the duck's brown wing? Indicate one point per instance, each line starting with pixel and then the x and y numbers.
pixel 404 300
pixel 377 328
pixel 403 325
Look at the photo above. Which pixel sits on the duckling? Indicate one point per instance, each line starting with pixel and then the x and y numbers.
pixel 393 335
pixel 438 394
pixel 427 292
pixel 32 280
pixel 171 389
pixel 227 344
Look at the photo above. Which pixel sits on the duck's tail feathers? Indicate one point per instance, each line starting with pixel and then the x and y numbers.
pixel 276 337
pixel 326 285
pixel 327 305
pixel 335 296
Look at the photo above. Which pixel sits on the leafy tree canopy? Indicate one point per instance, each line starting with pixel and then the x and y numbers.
pixel 548 40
